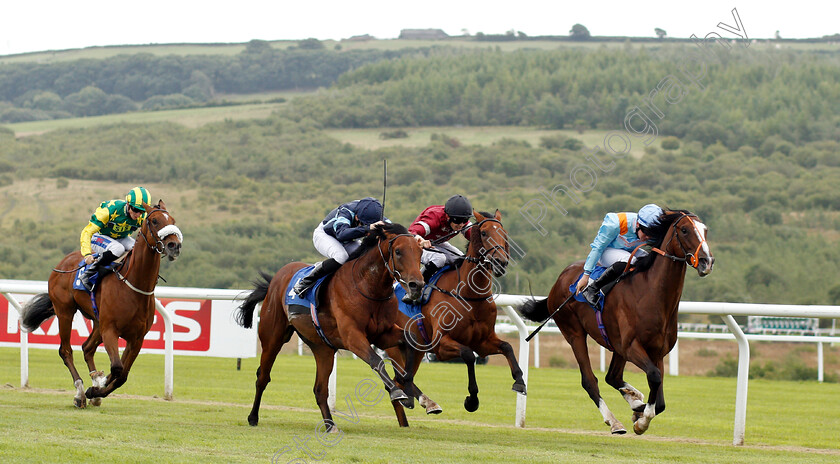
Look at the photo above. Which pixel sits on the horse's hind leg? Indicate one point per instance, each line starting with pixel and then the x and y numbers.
pixel 89 349
pixel 615 378
pixel 65 324
pixel 590 382
pixel 324 357
pixel 271 346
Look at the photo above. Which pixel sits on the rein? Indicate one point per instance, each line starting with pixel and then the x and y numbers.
pixel 395 274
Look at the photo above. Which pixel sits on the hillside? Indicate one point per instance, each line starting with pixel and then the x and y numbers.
pixel 755 156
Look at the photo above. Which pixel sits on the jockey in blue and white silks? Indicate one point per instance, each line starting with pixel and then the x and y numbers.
pixel 618 236
pixel 337 236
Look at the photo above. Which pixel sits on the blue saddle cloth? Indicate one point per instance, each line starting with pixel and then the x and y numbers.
pixel 308 299
pixel 77 281
pixel 412 310
pixel 597 272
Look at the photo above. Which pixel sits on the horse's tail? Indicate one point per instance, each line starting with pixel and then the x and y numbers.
pixel 245 314
pixel 36 311
pixel 534 310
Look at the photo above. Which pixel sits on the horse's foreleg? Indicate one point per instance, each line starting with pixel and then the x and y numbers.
pixel 89 349
pixel 494 345
pixel 358 344
pixel 615 378
pixel 65 351
pixel 638 356
pixel 404 355
pixel 590 383
pixel 448 349
pixel 111 342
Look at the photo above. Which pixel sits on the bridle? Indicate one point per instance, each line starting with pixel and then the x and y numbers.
pixel 392 269
pixel 688 257
pixel 483 253
pixel 158 247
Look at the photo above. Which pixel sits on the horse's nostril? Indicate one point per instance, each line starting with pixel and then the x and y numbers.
pixel 413 285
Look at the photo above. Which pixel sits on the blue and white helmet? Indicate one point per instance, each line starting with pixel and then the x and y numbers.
pixel 649 215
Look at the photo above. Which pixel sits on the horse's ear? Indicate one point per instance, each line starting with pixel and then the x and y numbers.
pixel 498 215
pixel 478 216
pixel 161 204
pixel 147 207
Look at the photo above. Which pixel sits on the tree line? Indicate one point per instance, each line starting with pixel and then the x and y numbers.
pixel 88 87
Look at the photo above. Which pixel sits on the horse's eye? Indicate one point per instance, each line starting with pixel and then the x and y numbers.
pixel 397 253
pixel 483 233
pixel 154 222
pixel 684 230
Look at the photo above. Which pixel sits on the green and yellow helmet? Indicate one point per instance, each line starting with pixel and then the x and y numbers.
pixel 137 196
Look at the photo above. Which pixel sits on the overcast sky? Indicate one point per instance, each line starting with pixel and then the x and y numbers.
pixel 35 25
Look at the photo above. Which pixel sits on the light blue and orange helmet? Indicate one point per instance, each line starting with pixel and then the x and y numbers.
pixel 137 196
pixel 649 215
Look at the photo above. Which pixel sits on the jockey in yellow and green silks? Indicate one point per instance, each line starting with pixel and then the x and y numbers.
pixel 108 234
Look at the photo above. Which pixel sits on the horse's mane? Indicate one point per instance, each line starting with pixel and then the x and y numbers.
pixel 375 235
pixel 657 234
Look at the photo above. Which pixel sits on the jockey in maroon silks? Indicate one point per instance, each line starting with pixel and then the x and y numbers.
pixel 441 223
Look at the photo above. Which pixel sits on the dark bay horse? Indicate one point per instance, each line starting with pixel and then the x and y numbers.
pixel 125 300
pixel 354 312
pixel 461 321
pixel 639 316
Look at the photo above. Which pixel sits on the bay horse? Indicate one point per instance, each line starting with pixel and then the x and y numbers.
pixel 639 315
pixel 460 317
pixel 354 312
pixel 125 302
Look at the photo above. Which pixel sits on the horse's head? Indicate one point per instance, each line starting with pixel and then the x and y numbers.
pixel 688 240
pixel 491 240
pixel 160 232
pixel 401 254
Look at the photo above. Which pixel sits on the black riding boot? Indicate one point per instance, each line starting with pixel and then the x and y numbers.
pixel 429 271
pixel 105 259
pixel 325 267
pixel 590 293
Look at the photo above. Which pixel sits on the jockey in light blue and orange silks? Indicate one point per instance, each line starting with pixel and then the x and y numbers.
pixel 108 234
pixel 618 236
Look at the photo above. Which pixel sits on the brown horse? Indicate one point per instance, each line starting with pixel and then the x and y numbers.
pixel 354 312
pixel 460 320
pixel 639 316
pixel 125 300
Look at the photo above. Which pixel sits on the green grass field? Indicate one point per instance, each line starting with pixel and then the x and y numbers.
pixel 206 422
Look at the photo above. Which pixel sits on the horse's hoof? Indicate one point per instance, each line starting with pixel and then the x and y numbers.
pixel 638 430
pixel 96 401
pixel 89 393
pixel 408 403
pixel 434 409
pixel 471 403
pixel 253 421
pixel 519 387
pixel 79 403
pixel 398 395
pixel 618 429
